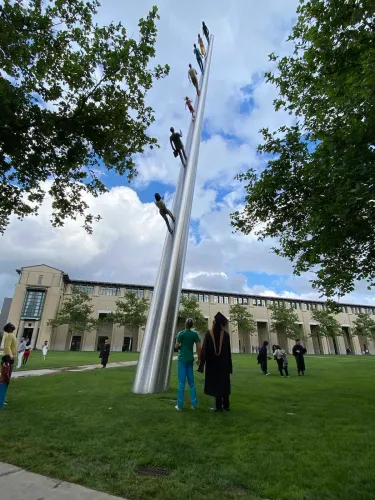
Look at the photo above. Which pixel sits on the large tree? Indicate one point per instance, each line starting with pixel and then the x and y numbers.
pixel 285 320
pixel 131 311
pixel 316 194
pixel 73 103
pixel 327 327
pixel 245 321
pixel 77 311
pixel 364 326
pixel 189 308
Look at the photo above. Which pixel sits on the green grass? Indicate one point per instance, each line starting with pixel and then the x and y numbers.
pixel 64 359
pixel 309 438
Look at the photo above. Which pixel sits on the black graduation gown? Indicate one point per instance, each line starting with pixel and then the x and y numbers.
pixel 298 352
pixel 217 368
pixel 104 355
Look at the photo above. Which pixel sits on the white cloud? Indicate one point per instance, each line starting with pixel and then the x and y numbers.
pixel 126 245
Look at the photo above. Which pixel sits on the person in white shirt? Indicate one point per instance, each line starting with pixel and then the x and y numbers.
pixel 45 349
pixel 282 361
pixel 163 210
pixel 21 350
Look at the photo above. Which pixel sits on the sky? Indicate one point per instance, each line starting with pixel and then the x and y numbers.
pixel 126 244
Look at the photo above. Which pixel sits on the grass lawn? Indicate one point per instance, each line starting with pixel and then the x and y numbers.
pixel 63 359
pixel 302 438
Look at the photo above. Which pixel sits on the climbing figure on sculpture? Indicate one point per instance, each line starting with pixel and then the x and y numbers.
pixel 177 146
pixel 201 44
pixel 163 211
pixel 189 104
pixel 206 32
pixel 199 58
pixel 193 78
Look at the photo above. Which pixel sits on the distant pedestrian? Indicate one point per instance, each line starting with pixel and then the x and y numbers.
pixel 4 378
pixel 282 360
pixel 298 352
pixel 21 352
pixel 185 343
pixel 45 349
pixel 104 353
pixel 262 357
pixel 27 352
pixel 10 344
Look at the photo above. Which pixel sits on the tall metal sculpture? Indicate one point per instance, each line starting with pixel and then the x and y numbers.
pixel 154 365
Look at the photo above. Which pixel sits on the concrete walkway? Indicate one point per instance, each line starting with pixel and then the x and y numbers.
pixel 52 371
pixel 18 484
pixel 84 368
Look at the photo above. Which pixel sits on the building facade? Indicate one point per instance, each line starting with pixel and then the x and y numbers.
pixel 41 290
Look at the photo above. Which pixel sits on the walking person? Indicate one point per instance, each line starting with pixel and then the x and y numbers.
pixel 199 58
pixel 4 378
pixel 298 352
pixel 193 78
pixel 27 352
pixel 163 211
pixel 184 343
pixel 201 45
pixel 10 344
pixel 262 357
pixel 216 360
pixel 189 104
pixel 282 360
pixel 104 353
pixel 206 32
pixel 21 352
pixel 45 349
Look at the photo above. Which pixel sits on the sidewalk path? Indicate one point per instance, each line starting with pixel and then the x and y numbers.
pixel 18 484
pixel 46 371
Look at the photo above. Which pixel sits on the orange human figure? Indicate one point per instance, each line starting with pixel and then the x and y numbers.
pixel 189 104
pixel 201 44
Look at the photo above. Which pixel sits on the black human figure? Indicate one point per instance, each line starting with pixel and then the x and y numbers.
pixel 199 58
pixel 262 358
pixel 177 145
pixel 298 352
pixel 205 31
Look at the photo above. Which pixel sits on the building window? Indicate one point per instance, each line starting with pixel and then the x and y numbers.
pixel 151 294
pixel 221 299
pixel 226 300
pixel 235 300
pixel 216 299
pixel 259 302
pixel 206 298
pixel 138 292
pixel 40 279
pixel 33 304
pixel 109 291
pixel 254 302
pixel 245 301
pixel 201 298
pixel 240 300
pixel 84 289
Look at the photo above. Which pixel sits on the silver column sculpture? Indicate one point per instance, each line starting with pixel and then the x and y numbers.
pixel 154 365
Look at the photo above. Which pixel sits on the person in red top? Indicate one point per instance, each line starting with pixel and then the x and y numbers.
pixel 4 378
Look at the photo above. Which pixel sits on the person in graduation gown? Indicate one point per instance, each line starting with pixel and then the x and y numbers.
pixel 216 357
pixel 104 354
pixel 298 352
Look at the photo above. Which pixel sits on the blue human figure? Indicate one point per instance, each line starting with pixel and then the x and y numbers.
pixel 199 57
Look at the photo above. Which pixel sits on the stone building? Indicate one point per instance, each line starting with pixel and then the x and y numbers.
pixel 41 290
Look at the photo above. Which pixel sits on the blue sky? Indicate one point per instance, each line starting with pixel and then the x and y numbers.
pixel 126 245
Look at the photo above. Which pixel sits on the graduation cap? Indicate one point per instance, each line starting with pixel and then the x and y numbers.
pixel 220 319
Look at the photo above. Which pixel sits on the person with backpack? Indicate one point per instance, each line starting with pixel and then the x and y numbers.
pixel 281 359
